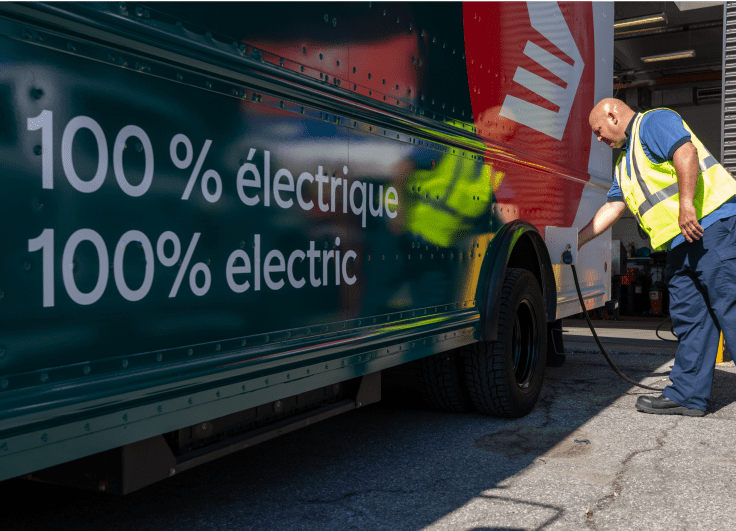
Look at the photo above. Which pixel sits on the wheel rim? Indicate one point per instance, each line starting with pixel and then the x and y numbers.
pixel 523 344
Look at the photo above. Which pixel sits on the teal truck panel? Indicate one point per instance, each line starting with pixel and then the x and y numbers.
pixel 202 215
pixel 186 246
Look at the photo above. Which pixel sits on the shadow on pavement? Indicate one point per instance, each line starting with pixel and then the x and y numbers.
pixel 557 510
pixel 392 465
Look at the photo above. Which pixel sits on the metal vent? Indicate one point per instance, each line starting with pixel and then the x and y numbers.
pixel 704 95
pixel 728 131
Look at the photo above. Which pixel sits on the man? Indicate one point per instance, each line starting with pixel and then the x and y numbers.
pixel 684 199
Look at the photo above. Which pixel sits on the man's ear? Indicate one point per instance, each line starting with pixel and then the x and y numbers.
pixel 613 118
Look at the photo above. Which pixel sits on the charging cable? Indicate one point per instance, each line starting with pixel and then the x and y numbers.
pixel 567 259
pixel 672 329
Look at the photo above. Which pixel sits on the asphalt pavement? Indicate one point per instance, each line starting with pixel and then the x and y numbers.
pixel 583 459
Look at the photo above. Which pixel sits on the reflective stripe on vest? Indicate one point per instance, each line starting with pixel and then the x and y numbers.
pixel 650 199
pixel 620 172
pixel 708 163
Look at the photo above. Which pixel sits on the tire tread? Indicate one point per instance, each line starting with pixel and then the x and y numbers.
pixel 441 382
pixel 485 362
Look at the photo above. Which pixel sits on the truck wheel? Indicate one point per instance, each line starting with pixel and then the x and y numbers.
pixel 504 377
pixel 441 383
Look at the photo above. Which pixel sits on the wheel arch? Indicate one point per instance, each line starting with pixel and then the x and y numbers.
pixel 517 244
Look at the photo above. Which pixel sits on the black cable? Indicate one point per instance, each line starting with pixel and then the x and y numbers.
pixel 671 330
pixel 600 345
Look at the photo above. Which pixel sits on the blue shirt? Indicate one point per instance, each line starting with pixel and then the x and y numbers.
pixel 661 133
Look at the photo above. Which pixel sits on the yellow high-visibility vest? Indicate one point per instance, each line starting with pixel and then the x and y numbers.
pixel 652 192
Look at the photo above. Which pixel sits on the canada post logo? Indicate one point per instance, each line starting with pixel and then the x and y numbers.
pixel 531 74
pixel 547 19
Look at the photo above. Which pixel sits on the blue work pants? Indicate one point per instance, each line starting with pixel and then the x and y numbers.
pixel 701 277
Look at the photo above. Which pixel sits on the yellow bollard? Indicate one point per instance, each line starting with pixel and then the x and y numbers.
pixel 719 356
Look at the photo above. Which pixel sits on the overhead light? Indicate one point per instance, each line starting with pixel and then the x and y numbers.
pixel 639 21
pixel 669 56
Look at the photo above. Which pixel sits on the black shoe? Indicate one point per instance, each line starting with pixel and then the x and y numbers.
pixel 661 405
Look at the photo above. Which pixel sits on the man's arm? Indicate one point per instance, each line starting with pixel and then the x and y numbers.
pixel 606 216
pixel 685 160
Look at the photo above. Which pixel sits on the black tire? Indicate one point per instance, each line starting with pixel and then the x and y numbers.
pixel 504 377
pixel 441 383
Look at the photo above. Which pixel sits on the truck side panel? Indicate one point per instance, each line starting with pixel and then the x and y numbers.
pixel 209 215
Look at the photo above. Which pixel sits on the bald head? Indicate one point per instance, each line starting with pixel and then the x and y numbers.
pixel 609 120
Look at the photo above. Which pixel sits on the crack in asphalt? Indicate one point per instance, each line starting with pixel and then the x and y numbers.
pixel 608 500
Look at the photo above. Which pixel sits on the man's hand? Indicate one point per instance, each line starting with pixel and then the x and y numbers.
pixel 685 160
pixel 688 221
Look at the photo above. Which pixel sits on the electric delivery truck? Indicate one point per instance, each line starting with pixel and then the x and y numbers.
pixel 221 222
